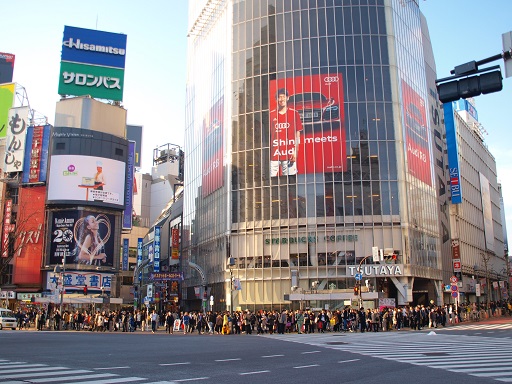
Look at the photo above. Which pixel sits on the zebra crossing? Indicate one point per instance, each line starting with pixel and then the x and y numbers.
pixel 17 372
pixel 478 327
pixel 486 357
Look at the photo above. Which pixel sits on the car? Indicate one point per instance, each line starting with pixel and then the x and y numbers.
pixel 7 319
pixel 315 107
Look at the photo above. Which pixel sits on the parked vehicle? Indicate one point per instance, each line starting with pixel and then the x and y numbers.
pixel 7 319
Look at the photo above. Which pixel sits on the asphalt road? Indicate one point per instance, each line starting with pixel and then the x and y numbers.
pixel 384 357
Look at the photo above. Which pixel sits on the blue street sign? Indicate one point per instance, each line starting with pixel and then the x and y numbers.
pixel 359 276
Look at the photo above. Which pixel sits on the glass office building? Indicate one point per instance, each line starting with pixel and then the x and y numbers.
pixel 309 154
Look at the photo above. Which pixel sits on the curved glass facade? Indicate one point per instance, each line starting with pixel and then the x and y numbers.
pixel 327 153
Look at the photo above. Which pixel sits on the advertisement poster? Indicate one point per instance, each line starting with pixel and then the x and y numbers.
pixel 307 128
pixel 6 103
pixel 212 152
pixel 30 235
pixel 416 135
pixel 36 159
pixel 6 67
pixel 82 237
pixel 77 280
pixel 86 179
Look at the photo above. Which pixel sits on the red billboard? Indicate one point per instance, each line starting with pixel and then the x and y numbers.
pixel 416 134
pixel 307 130
pixel 213 167
pixel 28 251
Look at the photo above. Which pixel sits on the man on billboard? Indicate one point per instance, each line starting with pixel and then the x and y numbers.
pixel 99 178
pixel 285 126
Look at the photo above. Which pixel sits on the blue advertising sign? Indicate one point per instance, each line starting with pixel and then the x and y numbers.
pixel 128 197
pixel 156 259
pixel 453 154
pixel 36 154
pixel 88 46
pixel 126 247
pixel 139 251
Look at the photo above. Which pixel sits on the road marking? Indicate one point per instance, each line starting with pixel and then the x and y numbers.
pixel 30 370
pixel 306 366
pixel 253 373
pixel 2 368
pixel 192 379
pixel 112 368
pixel 265 357
pixel 167 364
pixel 78 377
pixel 220 361
pixel 305 353
pixel 348 361
pixel 41 374
pixel 108 381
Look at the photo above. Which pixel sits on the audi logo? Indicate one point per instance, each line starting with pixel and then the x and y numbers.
pixel 282 125
pixel 331 79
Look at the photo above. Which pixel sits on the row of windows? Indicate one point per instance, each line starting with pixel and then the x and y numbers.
pixel 316 200
pixel 309 24
pixel 330 52
pixel 252 9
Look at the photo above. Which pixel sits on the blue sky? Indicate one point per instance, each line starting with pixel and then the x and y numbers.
pixel 154 96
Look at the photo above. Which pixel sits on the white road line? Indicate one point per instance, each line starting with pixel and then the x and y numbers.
pixel 220 361
pixel 305 353
pixel 191 379
pixel 31 370
pixel 168 364
pixel 78 377
pixel 252 373
pixel 306 366
pixel 2 368
pixel 348 361
pixel 41 374
pixel 111 368
pixel 265 357
pixel 108 381
pixel 3 362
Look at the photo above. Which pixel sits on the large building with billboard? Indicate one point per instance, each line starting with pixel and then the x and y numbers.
pixel 315 155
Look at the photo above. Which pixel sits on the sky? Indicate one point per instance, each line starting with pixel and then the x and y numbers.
pixel 155 76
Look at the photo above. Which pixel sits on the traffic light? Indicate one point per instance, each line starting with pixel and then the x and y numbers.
pixel 85 290
pixel 470 86
pixel 356 290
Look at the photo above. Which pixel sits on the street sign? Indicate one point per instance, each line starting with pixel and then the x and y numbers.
pixel 453 279
pixel 455 294
pixel 375 254
pixel 454 288
pixel 359 276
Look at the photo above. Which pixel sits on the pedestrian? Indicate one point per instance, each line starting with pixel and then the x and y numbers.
pixel 169 323
pixel 154 320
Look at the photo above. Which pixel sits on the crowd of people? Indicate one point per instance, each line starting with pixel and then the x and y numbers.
pixel 247 322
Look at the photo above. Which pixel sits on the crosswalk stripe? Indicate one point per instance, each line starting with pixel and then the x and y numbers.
pixel 40 374
pixel 4 367
pixel 109 381
pixel 31 370
pixel 78 377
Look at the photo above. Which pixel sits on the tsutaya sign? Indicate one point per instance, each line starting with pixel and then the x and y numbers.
pixel 377 270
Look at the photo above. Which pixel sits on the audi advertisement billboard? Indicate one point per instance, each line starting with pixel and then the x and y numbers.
pixel 307 127
pixel 416 135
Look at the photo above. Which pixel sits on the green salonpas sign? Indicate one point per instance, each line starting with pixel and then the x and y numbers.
pixel 95 81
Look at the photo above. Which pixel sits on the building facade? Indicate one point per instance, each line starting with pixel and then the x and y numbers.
pixel 316 171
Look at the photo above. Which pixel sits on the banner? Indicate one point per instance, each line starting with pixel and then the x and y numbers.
pixel 8 227
pixel 15 139
pixel 6 102
pixel 36 158
pixel 126 249
pixel 6 67
pixel 175 244
pixel 128 197
pixel 156 260
pixel 307 127
pixel 82 237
